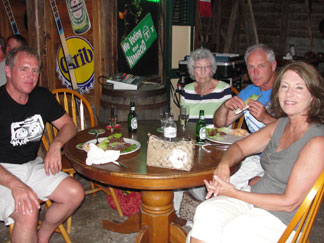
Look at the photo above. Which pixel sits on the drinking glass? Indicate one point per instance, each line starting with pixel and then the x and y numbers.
pixel 164 115
pixel 184 115
pixel 113 117
pixel 161 118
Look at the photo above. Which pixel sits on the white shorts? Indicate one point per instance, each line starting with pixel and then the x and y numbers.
pixel 225 219
pixel 250 168
pixel 33 174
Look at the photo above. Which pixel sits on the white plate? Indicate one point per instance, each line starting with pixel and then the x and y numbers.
pixel 224 139
pixel 127 140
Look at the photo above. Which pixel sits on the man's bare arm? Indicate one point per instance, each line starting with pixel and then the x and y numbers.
pixel 67 130
pixel 225 115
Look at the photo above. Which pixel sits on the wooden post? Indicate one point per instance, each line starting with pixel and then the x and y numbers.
pixel 284 26
pixel 99 41
pixel 309 24
pixel 245 22
pixel 231 27
pixel 218 24
pixel 253 22
pixel 36 18
pixel 197 25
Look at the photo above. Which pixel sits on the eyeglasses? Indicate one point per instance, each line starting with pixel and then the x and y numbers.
pixel 200 68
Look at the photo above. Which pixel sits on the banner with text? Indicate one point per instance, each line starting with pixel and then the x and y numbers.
pixel 139 40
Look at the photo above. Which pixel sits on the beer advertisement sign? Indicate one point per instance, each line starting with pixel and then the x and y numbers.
pixel 82 56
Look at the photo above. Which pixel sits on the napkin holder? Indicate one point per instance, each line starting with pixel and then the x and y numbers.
pixel 172 155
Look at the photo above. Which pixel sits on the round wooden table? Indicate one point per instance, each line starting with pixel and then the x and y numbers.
pixel 155 223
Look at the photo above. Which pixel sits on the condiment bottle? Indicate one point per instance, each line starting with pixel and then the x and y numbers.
pixel 170 129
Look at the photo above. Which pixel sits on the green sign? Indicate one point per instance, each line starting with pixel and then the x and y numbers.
pixel 139 40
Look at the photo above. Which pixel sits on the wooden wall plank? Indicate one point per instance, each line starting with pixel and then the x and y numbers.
pixel 231 26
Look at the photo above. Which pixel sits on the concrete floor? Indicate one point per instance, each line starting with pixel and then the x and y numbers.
pixel 87 224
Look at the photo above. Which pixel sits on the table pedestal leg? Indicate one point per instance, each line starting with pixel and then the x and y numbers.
pixel 155 223
pixel 157 216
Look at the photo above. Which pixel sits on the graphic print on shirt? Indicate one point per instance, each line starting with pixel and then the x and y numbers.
pixel 29 130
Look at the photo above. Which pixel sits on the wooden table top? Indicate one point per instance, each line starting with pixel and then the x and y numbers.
pixel 138 175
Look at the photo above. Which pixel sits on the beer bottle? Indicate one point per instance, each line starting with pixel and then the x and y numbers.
pixel 201 128
pixel 79 16
pixel 132 118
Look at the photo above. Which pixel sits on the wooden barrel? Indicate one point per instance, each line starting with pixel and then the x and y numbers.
pixel 149 100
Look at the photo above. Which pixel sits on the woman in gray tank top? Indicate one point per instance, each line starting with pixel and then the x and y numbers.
pixel 292 157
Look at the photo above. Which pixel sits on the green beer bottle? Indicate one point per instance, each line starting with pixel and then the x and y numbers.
pixel 132 118
pixel 79 16
pixel 201 128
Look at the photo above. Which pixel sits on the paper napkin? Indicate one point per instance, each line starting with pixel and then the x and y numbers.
pixel 96 155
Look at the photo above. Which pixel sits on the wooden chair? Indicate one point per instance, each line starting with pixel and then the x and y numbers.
pixel 60 229
pixel 239 122
pixel 306 214
pixel 82 115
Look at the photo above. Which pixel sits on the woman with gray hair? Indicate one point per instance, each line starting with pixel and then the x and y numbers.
pixel 206 93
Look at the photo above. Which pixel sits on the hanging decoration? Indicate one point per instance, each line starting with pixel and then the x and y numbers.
pixel 139 40
pixel 205 8
pixel 78 16
pixel 67 56
pixel 131 11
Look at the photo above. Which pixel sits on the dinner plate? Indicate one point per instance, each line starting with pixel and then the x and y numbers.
pixel 127 140
pixel 223 139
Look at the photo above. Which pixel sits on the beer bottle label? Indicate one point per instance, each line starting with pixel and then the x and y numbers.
pixel 134 123
pixel 202 133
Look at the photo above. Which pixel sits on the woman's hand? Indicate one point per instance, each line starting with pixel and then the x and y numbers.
pixel 219 187
pixel 222 171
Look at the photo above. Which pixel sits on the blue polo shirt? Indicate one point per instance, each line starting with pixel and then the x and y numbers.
pixel 253 124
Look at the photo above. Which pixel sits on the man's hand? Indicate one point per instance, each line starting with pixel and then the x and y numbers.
pixel 258 110
pixel 234 103
pixel 24 198
pixel 53 161
pixel 67 129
